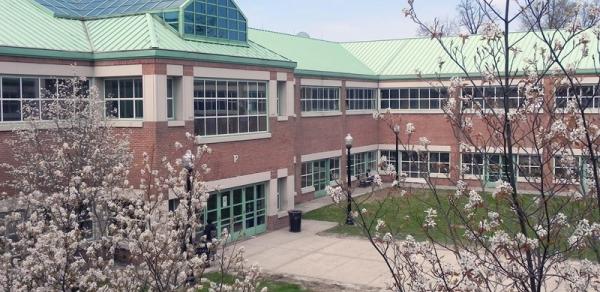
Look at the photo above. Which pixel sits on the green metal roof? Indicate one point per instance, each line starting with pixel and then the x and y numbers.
pixel 31 30
pixel 313 56
pixel 133 36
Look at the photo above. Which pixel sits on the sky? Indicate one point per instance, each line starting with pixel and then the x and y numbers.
pixel 343 20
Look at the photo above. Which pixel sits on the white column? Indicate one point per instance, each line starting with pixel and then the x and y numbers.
pixel 155 98
pixel 290 97
pixel 273 96
pixel 290 193
pixel 272 205
pixel 187 98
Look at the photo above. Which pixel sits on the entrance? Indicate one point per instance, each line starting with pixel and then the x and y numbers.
pixel 242 211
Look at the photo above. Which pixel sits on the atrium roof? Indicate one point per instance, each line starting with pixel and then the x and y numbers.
pixel 101 8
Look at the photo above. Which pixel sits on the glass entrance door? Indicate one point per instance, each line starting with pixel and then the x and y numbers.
pixel 242 211
pixel 321 177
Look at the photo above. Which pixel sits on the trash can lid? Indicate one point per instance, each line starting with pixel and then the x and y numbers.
pixel 295 211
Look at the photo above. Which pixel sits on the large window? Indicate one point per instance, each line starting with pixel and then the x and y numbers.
pixel 492 166
pixel 124 98
pixel 320 99
pixel 363 163
pixel 587 94
pixel 417 164
pixel 568 168
pixel 22 98
pixel 360 98
pixel 413 98
pixel 216 19
pixel 320 173
pixel 492 97
pixel 223 107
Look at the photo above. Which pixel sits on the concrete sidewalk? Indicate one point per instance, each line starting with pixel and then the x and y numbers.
pixel 306 255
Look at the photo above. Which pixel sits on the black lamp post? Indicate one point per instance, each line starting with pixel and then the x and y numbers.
pixel 348 140
pixel 188 164
pixel 397 132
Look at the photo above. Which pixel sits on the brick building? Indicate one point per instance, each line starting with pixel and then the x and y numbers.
pixel 275 108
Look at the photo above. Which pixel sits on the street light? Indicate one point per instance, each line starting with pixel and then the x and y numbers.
pixel 397 132
pixel 348 140
pixel 188 164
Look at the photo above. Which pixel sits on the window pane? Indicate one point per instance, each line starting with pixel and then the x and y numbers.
pixel 11 87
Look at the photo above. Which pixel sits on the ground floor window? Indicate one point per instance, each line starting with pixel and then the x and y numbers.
pixel 363 163
pixel 492 166
pixel 320 173
pixel 417 164
pixel 243 210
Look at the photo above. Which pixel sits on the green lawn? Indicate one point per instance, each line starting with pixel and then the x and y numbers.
pixel 273 286
pixel 403 216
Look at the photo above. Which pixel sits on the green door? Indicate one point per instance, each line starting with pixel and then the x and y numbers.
pixel 242 211
pixel 321 177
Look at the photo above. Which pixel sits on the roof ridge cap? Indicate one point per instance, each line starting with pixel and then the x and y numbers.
pixel 87 36
pixel 152 31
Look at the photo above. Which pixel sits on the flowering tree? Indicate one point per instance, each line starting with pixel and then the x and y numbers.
pixel 80 224
pixel 540 148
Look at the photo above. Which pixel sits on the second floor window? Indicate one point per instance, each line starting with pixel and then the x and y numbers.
pixel 413 98
pixel 124 98
pixel 224 107
pixel 360 98
pixel 170 99
pixel 23 98
pixel 320 99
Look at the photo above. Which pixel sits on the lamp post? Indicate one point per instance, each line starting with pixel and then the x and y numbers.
pixel 348 140
pixel 397 132
pixel 188 164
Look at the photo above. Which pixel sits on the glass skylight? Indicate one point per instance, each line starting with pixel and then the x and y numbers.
pixel 216 19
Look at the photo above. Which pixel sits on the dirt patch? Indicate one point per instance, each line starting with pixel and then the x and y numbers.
pixel 315 285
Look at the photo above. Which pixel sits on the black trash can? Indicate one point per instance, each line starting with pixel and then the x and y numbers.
pixel 295 220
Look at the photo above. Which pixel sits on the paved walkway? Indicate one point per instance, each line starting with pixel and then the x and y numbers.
pixel 309 256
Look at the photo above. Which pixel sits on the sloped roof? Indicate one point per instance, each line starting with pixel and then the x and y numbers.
pixel 141 35
pixel 31 30
pixel 102 8
pixel 312 55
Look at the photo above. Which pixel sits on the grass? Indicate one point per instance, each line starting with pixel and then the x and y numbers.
pixel 273 286
pixel 404 216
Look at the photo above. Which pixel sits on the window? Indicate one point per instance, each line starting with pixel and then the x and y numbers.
pixel 492 97
pixel 281 98
pixel 568 168
pixel 529 166
pixel 494 167
pixel 413 98
pixel 23 98
pixel 587 95
pixel 472 164
pixel 281 196
pixel 363 163
pixel 170 99
pixel 173 205
pixel 171 18
pixel 416 164
pixel 320 173
pixel 224 107
pixel 10 220
pixel 214 20
pixel 320 99
pixel 360 99
pixel 124 98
